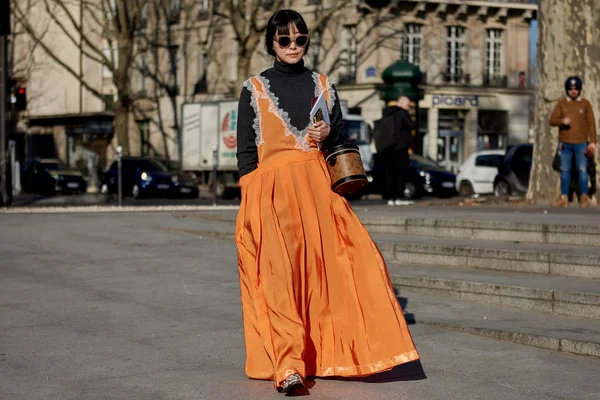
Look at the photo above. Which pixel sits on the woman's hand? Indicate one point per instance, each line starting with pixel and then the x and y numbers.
pixel 319 131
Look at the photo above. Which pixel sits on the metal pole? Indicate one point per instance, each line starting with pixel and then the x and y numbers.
pixel 214 174
pixel 4 200
pixel 119 183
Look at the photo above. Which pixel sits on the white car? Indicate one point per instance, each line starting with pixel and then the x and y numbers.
pixel 476 175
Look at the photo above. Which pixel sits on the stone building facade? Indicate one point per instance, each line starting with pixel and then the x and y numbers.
pixel 475 55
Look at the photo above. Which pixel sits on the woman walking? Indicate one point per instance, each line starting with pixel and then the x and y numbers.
pixel 316 295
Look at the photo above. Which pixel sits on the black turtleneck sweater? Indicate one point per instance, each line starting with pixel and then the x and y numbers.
pixel 293 85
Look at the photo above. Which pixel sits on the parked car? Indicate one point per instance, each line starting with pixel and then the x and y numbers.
pixel 51 176
pixel 513 172
pixel 425 178
pixel 477 174
pixel 145 177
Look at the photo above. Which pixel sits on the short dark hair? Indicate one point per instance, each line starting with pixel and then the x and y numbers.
pixel 279 22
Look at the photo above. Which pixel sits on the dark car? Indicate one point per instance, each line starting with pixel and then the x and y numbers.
pixel 51 176
pixel 425 178
pixel 513 172
pixel 145 177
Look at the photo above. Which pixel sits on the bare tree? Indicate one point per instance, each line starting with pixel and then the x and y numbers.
pixel 23 56
pixel 366 34
pixel 87 25
pixel 248 20
pixel 165 58
pixel 563 50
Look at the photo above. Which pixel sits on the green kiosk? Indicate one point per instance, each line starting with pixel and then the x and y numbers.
pixel 403 79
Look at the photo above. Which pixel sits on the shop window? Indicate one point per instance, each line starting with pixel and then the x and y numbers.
pixel 492 132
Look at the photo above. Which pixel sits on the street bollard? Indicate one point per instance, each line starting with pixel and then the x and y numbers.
pixel 119 180
pixel 214 174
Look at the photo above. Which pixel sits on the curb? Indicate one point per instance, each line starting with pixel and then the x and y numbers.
pixel 110 209
pixel 582 304
pixel 543 342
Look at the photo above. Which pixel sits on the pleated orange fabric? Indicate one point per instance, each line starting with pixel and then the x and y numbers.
pixel 316 294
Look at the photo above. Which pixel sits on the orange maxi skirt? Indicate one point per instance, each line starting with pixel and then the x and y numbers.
pixel 316 295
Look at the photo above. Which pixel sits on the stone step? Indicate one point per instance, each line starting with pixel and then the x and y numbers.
pixel 484 229
pixel 548 331
pixel 473 224
pixel 550 294
pixel 537 258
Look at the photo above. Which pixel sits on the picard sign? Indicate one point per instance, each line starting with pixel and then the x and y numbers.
pixel 454 101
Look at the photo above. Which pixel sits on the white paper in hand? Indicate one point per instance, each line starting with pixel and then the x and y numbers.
pixel 319 111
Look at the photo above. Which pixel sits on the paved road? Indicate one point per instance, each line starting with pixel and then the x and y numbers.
pixel 126 306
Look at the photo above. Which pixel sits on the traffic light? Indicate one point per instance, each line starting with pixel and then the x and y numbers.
pixel 20 94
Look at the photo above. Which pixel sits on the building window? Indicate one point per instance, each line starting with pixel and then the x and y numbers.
pixel 143 73
pixel 315 45
pixel 455 43
pixel 493 58
pixel 112 56
pixel 174 10
pixel 144 17
pixel 174 66
pixel 203 10
pixel 111 10
pixel 144 133
pixel 201 85
pixel 411 46
pixel 348 55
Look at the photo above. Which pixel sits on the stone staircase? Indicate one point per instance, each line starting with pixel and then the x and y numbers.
pixel 528 279
pixel 522 281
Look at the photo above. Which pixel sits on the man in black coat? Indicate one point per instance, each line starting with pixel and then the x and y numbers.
pixel 394 143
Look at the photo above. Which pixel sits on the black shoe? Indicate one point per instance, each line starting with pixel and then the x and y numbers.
pixel 291 383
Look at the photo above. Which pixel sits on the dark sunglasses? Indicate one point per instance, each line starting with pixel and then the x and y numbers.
pixel 286 40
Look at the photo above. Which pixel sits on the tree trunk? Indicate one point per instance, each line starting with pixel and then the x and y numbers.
pixel 121 126
pixel 592 72
pixel 564 41
pixel 245 51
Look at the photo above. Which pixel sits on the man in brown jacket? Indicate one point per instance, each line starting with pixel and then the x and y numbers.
pixel 576 127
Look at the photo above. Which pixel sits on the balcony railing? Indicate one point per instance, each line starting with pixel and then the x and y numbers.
pixel 513 1
pixel 203 14
pixel 346 79
pixel 495 80
pixel 457 78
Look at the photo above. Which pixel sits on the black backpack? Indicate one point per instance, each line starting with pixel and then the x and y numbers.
pixel 383 133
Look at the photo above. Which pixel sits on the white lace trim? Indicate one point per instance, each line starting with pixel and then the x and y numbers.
pixel 301 142
pixel 318 87
pixel 332 97
pixel 256 125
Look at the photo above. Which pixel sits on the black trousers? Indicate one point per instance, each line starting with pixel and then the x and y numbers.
pixel 396 168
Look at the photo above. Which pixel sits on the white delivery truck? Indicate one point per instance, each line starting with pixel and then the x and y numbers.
pixel 208 135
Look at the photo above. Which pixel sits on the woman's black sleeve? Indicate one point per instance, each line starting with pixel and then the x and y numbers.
pixel 337 135
pixel 247 153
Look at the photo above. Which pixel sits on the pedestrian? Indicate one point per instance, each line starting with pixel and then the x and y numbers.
pixel 576 127
pixel 395 128
pixel 316 295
